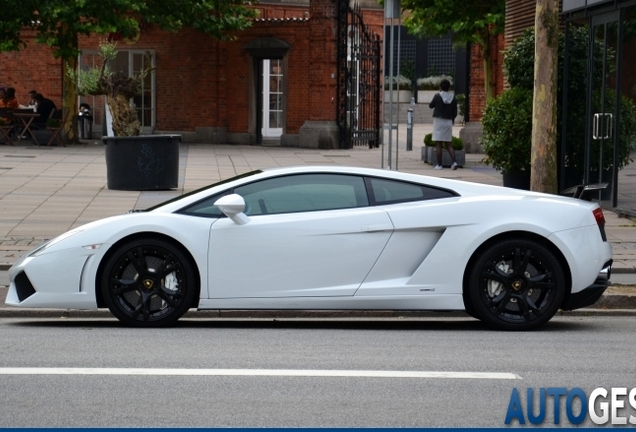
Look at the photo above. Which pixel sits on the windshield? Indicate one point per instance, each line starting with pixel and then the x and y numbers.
pixel 240 176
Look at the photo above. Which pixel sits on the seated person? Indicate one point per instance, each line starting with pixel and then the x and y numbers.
pixel 44 107
pixel 8 101
pixel 31 103
pixel 7 98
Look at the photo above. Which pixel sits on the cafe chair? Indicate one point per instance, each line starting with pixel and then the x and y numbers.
pixel 55 125
pixel 6 125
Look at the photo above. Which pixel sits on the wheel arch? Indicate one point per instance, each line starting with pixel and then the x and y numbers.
pixel 133 237
pixel 524 235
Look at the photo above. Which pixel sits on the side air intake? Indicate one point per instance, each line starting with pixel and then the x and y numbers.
pixel 23 286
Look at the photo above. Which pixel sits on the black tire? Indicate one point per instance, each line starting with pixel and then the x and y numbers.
pixel 148 283
pixel 516 284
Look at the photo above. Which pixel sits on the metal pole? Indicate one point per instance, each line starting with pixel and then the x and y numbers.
pixel 409 126
pixel 390 149
pixel 383 57
pixel 397 120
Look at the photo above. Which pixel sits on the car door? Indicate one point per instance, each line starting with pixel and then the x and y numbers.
pixel 307 235
pixel 418 217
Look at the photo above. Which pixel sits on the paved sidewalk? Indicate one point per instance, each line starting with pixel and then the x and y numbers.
pixel 45 191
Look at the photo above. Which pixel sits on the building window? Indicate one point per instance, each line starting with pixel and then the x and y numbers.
pixel 129 62
pixel 272 98
pixel 441 57
pixel 407 51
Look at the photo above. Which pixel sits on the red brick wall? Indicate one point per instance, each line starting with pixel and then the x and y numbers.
pixel 33 68
pixel 477 92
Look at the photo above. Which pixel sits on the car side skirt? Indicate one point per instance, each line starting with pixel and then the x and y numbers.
pixel 429 302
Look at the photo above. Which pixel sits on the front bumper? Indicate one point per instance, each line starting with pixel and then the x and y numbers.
pixel 592 293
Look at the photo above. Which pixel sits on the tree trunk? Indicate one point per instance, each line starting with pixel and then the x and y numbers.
pixel 125 119
pixel 69 97
pixel 489 86
pixel 543 176
pixel 489 79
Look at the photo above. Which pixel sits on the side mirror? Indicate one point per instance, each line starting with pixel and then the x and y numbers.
pixel 233 207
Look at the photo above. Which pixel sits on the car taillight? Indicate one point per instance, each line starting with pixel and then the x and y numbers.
pixel 600 220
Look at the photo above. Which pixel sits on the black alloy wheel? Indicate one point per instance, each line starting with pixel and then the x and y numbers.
pixel 516 284
pixel 148 283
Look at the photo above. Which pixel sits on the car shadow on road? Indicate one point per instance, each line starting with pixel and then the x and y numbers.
pixel 384 324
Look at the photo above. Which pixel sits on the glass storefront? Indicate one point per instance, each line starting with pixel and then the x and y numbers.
pixel 598 135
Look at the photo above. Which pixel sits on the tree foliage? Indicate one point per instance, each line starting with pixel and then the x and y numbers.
pixel 59 22
pixel 470 21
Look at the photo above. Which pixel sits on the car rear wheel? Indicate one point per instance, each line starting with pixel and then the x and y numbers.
pixel 516 284
pixel 148 283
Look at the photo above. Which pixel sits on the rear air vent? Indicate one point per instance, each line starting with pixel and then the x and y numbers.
pixel 23 287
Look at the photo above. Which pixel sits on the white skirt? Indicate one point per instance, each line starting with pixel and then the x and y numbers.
pixel 442 129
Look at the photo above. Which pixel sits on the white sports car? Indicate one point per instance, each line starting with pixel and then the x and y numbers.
pixel 330 238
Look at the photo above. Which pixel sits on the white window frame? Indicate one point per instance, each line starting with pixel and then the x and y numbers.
pixel 267 131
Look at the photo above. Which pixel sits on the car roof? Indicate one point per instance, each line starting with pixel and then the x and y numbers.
pixel 462 188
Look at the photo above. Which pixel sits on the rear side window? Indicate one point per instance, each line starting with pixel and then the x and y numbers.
pixel 394 191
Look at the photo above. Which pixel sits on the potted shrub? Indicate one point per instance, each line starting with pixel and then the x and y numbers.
pixel 428 86
pixel 133 161
pixel 401 89
pixel 429 156
pixel 506 139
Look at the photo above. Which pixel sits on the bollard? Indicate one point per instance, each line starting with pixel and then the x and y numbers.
pixel 409 127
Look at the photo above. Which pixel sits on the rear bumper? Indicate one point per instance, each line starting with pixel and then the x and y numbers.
pixel 592 293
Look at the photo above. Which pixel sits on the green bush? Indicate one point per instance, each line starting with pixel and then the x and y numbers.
pixel 456 143
pixel 518 61
pixel 507 130
pixel 461 104
pixel 399 83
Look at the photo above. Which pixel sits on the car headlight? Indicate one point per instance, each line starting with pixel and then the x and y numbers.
pixel 40 249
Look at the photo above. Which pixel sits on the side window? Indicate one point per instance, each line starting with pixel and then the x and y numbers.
pixel 393 191
pixel 303 193
pixel 206 208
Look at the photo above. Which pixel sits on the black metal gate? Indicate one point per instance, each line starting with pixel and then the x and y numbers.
pixel 359 81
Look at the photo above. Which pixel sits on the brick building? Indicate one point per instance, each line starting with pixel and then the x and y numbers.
pixel 276 82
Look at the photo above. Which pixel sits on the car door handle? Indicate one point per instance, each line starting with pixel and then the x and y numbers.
pixel 377 227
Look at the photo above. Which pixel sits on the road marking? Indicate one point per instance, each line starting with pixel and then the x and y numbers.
pixel 259 372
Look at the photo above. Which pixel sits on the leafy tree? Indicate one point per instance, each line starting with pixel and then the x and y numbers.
pixel 470 21
pixel 58 23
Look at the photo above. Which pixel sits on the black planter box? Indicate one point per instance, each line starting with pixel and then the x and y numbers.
pixel 517 180
pixel 145 162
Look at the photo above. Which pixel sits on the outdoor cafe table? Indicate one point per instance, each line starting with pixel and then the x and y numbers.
pixel 27 117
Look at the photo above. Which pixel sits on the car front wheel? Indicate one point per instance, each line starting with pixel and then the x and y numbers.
pixel 516 284
pixel 148 283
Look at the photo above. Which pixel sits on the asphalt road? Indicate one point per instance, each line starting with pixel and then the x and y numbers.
pixel 585 352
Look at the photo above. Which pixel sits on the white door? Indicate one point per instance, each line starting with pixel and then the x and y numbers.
pixel 308 235
pixel 272 98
